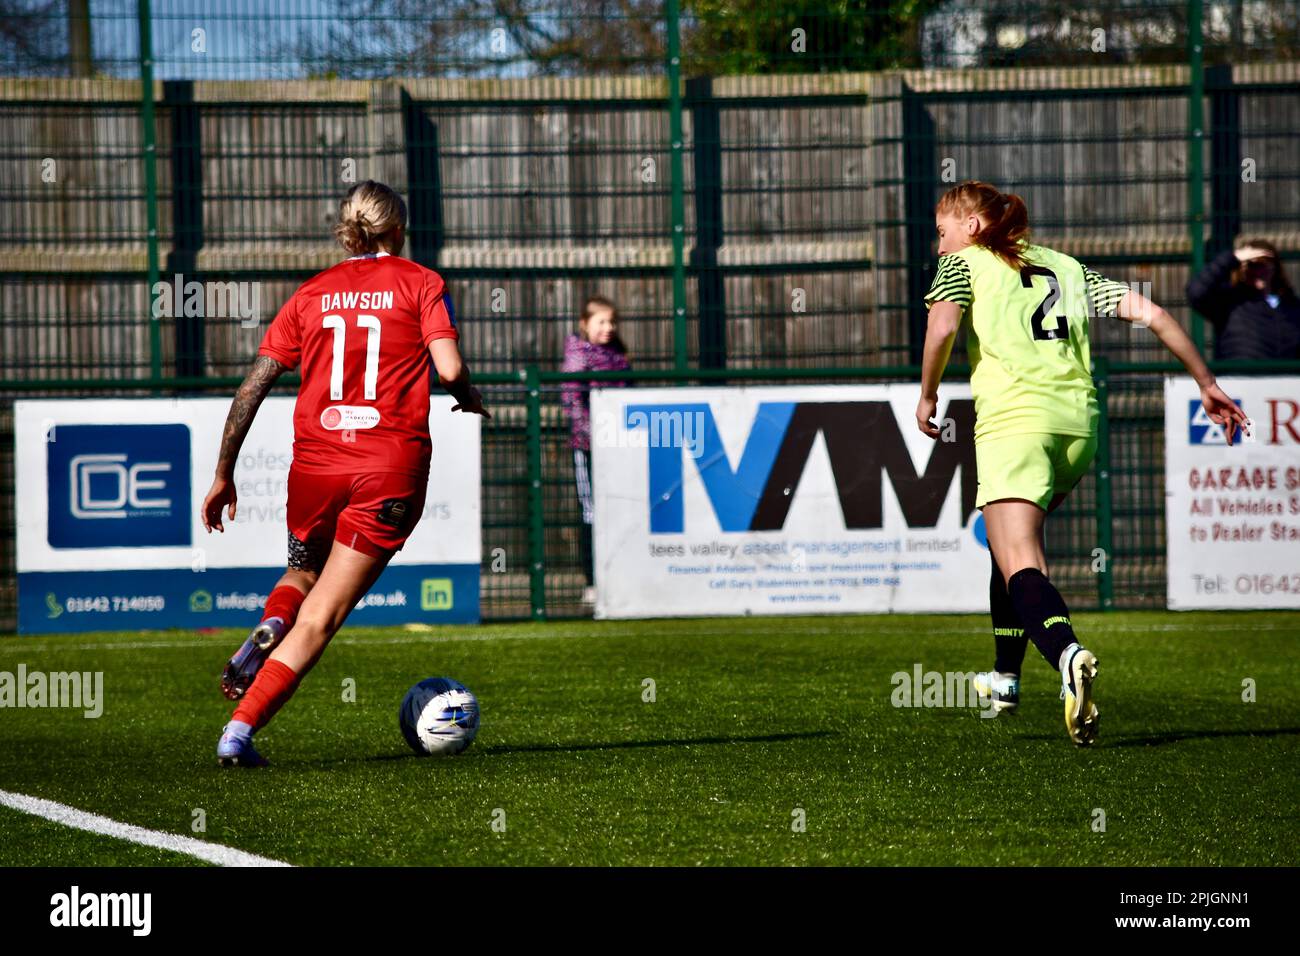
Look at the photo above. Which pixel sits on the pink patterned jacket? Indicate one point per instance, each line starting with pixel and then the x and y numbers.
pixel 583 356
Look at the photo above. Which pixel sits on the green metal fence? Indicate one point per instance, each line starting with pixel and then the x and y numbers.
pixel 752 182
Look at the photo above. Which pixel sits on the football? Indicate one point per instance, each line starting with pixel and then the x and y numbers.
pixel 439 717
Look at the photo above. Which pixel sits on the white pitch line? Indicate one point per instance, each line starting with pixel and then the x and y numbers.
pixel 94 823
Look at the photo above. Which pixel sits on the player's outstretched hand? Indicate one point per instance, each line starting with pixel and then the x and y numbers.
pixel 925 411
pixel 219 496
pixel 1222 410
pixel 474 405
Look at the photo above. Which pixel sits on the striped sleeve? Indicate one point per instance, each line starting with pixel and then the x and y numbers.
pixel 951 283
pixel 1104 294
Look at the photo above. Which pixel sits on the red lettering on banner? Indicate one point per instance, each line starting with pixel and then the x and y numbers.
pixel 1240 532
pixel 1238 479
pixel 1273 404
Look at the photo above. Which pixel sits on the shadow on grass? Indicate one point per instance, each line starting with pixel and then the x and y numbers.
pixel 1177 736
pixel 619 745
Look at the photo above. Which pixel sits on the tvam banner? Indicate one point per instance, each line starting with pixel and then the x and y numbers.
pixel 784 500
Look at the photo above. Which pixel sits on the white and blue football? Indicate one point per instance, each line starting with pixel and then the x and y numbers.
pixel 439 717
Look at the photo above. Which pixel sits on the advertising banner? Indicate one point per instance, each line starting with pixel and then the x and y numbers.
pixel 784 500
pixel 109 534
pixel 1232 513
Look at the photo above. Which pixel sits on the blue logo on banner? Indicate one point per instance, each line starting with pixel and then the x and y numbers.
pixel 1200 430
pixel 863 442
pixel 734 492
pixel 119 486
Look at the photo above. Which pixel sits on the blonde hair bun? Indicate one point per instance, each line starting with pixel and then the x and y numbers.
pixel 368 213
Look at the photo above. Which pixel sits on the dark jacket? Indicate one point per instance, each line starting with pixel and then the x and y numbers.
pixel 1245 325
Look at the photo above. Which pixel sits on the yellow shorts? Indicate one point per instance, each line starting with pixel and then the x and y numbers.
pixel 1033 467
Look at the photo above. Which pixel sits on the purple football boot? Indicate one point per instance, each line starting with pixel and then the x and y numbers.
pixel 235 749
pixel 241 669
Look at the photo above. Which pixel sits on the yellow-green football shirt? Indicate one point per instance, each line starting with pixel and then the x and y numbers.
pixel 1027 337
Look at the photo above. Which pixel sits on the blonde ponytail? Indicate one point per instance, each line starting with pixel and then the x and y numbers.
pixel 1006 218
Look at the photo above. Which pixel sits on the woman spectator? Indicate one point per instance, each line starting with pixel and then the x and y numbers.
pixel 1254 310
pixel 596 347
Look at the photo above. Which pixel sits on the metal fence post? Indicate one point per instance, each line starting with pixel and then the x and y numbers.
pixel 536 526
pixel 675 172
pixel 920 186
pixel 1196 151
pixel 706 166
pixel 1105 538
pixel 150 159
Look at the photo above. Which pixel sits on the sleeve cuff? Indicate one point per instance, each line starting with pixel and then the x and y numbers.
pixel 442 334
pixel 284 359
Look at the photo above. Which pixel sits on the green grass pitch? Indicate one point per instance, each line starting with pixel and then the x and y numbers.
pixel 753 720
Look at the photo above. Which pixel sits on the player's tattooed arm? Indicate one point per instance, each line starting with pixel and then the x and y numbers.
pixel 248 399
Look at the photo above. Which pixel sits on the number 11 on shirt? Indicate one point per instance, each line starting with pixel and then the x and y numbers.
pixel 371 324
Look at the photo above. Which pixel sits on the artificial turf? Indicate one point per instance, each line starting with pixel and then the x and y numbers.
pixel 752 722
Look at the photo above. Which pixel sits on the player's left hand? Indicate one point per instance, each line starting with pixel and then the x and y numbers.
pixel 1223 411
pixel 221 494
pixel 474 405
pixel 925 412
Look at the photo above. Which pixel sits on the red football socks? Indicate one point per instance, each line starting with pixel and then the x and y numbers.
pixel 283 603
pixel 274 685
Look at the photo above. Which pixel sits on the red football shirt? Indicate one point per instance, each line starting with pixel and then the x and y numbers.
pixel 361 333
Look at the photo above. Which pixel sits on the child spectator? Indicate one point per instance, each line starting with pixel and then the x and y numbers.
pixel 595 347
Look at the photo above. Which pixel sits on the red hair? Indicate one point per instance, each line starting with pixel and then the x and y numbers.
pixel 1006 229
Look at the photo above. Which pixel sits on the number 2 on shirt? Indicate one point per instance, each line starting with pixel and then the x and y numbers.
pixel 371 324
pixel 1053 296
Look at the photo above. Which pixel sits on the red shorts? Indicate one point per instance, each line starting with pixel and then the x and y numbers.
pixel 373 514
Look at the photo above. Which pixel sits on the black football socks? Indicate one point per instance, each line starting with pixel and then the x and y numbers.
pixel 1043 613
pixel 1008 636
